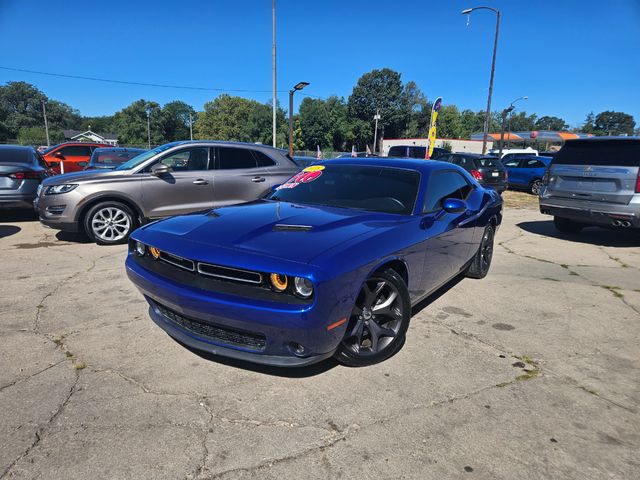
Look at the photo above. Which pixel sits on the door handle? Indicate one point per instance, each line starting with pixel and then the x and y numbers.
pixel 258 179
pixel 200 181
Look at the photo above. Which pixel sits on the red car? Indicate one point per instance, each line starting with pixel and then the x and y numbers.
pixel 70 156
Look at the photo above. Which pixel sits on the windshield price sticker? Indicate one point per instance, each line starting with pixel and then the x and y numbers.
pixel 307 175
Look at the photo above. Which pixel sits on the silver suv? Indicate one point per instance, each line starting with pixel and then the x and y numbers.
pixel 173 179
pixel 594 181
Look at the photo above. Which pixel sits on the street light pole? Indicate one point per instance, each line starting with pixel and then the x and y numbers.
pixel 190 127
pixel 273 68
pixel 487 115
pixel 506 112
pixel 297 86
pixel 46 125
pixel 376 117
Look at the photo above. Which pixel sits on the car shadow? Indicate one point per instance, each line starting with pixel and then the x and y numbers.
pixel 74 237
pixel 422 304
pixel 603 237
pixel 8 230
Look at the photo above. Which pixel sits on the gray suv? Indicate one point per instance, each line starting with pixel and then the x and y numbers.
pixel 594 181
pixel 173 179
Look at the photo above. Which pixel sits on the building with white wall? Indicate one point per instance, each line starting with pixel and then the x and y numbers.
pixel 457 144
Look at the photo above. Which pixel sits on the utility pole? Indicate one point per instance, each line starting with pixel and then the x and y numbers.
pixel 149 127
pixel 190 127
pixel 296 87
pixel 46 125
pixel 273 67
pixel 376 117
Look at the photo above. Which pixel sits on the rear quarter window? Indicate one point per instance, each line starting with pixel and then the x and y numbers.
pixel 621 153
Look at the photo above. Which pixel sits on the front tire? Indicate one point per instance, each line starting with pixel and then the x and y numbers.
pixel 378 322
pixel 536 186
pixel 109 223
pixel 565 225
pixel 482 259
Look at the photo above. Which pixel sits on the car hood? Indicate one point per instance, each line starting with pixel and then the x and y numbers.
pixel 85 175
pixel 291 232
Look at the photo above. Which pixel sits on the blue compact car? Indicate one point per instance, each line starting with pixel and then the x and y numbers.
pixel 526 172
pixel 328 264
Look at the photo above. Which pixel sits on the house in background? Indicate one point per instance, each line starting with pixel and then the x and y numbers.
pixel 89 136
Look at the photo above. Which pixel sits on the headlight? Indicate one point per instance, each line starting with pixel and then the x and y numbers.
pixel 140 249
pixel 57 189
pixel 302 287
pixel 279 282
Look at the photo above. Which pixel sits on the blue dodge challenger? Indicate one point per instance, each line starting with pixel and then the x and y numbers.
pixel 328 264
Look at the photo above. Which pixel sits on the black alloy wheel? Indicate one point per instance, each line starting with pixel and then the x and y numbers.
pixel 378 322
pixel 481 262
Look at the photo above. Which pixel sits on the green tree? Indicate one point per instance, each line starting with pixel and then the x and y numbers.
pixel 100 124
pixel 471 122
pixel 36 136
pixel 551 123
pixel 614 123
pixel 449 122
pixel 589 123
pixel 130 123
pixel 520 122
pixel 175 120
pixel 315 123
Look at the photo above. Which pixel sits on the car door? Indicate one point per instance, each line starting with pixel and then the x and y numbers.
pixel 188 187
pixel 449 236
pixel 237 176
pixel 532 169
pixel 514 170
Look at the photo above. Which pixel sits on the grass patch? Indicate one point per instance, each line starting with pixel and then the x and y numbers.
pixel 503 384
pixel 514 199
pixel 527 359
pixel 551 279
pixel 571 272
pixel 615 290
pixel 58 340
pixel 528 375
pixel 80 366
pixel 592 392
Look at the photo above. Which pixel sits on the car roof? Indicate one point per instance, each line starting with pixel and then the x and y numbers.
pixel 119 149
pixel 474 155
pixel 604 139
pixel 225 142
pixel 16 147
pixel 418 164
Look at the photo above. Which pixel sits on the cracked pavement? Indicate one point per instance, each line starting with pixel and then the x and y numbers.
pixel 91 388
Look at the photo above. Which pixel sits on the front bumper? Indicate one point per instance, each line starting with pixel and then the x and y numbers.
pixel 280 325
pixel 591 213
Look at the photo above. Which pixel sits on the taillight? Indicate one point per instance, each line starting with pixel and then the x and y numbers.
pixel 638 182
pixel 476 174
pixel 25 176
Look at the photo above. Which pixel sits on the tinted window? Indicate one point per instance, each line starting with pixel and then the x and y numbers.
pixel 490 162
pixel 113 157
pixel 379 189
pixel 263 160
pixel 76 151
pixel 465 162
pixel 15 155
pixel 511 163
pixel 407 151
pixel 443 185
pixel 533 163
pixel 188 159
pixel 622 153
pixel 233 158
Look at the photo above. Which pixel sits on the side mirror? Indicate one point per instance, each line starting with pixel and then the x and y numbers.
pixel 454 205
pixel 53 164
pixel 59 154
pixel 160 169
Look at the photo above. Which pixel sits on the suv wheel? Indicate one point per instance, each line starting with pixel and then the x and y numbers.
pixel 565 225
pixel 109 223
pixel 536 186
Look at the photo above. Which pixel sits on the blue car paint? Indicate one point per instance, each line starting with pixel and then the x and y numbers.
pixel 522 177
pixel 344 247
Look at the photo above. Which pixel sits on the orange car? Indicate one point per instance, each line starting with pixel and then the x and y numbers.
pixel 70 156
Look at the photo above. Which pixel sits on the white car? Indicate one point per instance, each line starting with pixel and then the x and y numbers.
pixel 508 153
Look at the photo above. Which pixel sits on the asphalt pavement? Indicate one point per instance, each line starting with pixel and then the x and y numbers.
pixel 531 373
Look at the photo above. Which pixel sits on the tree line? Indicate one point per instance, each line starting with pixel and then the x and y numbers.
pixel 333 123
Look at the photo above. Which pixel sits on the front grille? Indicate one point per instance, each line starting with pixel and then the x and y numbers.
pixel 228 273
pixel 178 261
pixel 224 335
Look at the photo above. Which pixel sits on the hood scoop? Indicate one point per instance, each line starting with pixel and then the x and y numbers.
pixel 283 227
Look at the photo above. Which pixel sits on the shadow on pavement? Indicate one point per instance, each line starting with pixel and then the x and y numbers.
pixel 418 307
pixel 8 230
pixel 604 237
pixel 75 237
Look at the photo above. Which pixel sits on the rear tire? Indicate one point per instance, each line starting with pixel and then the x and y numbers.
pixel 378 322
pixel 564 225
pixel 109 223
pixel 481 262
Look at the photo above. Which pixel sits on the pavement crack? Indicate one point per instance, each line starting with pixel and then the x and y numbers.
pixel 24 379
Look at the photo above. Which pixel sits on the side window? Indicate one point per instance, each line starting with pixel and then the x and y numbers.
pixel 511 163
pixel 188 159
pixel 443 185
pixel 263 160
pixel 230 158
pixel 533 163
pixel 76 151
pixel 40 161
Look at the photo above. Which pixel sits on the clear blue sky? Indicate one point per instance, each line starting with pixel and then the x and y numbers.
pixel 569 56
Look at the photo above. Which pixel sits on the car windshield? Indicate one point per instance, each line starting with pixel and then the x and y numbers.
pixel 113 157
pixel 377 189
pixel 490 162
pixel 15 155
pixel 143 157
